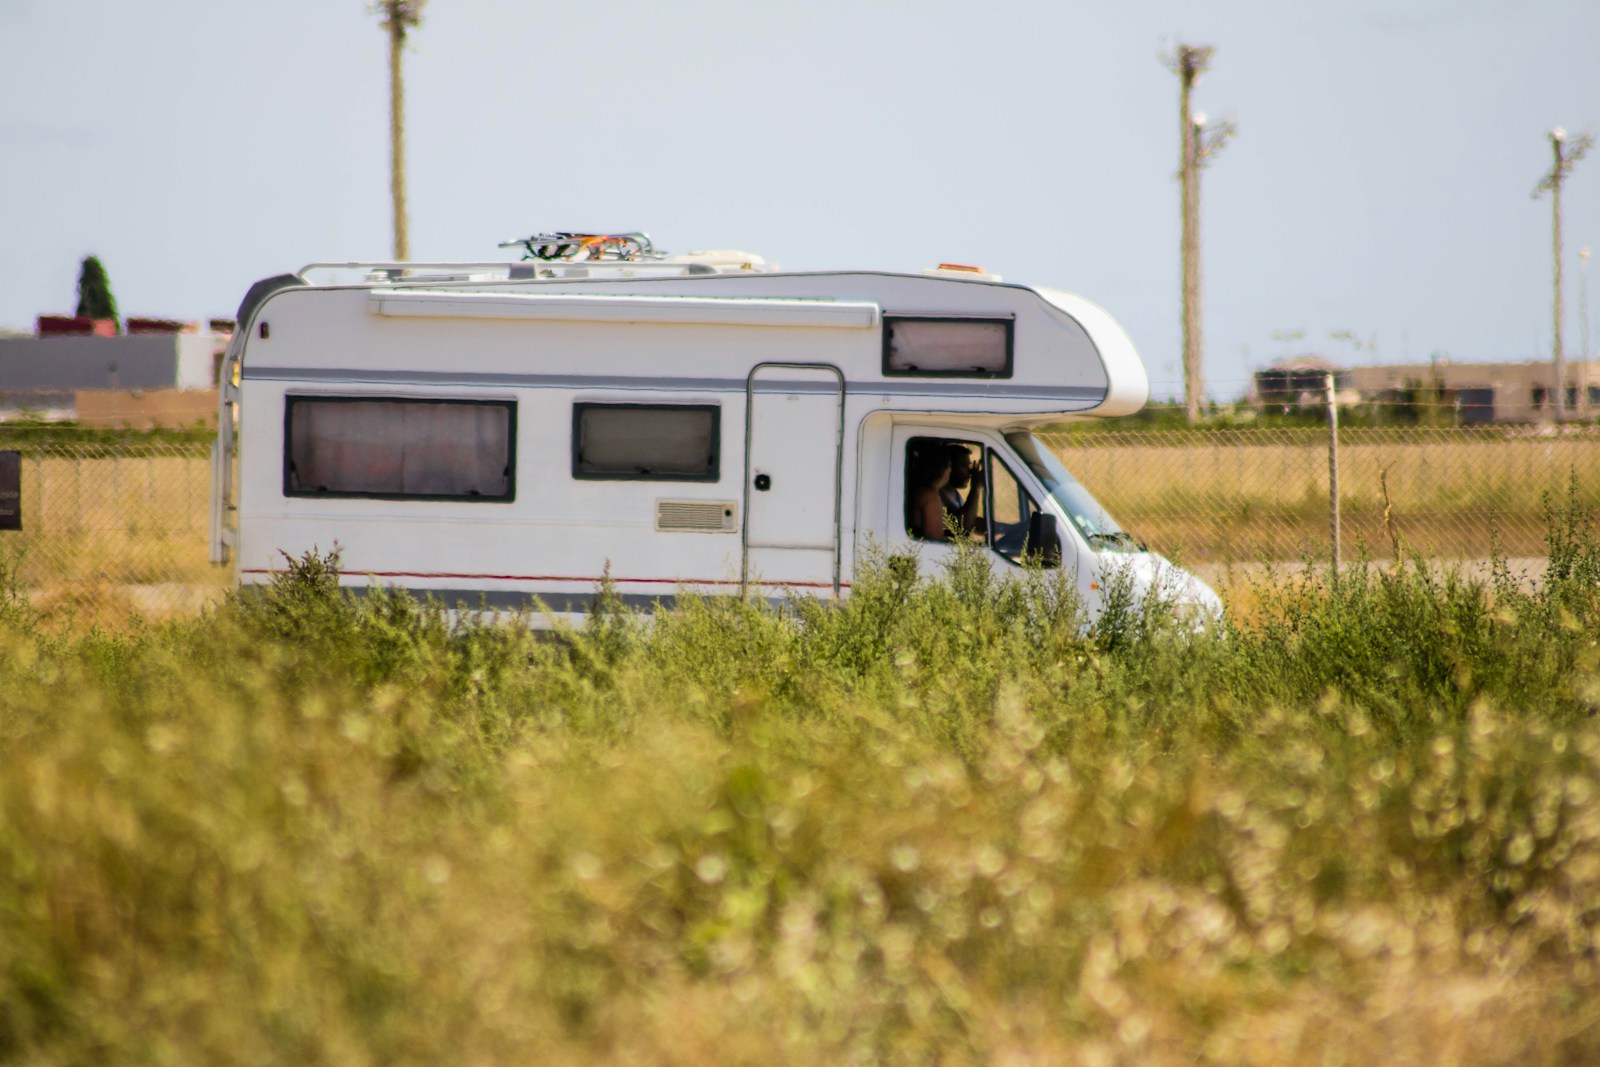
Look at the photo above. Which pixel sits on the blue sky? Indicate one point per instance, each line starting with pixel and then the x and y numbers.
pixel 1379 184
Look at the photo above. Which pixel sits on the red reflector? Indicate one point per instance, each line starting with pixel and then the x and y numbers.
pixel 962 266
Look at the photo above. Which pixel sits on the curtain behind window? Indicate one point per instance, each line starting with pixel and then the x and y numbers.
pixel 399 448
pixel 948 346
pixel 638 441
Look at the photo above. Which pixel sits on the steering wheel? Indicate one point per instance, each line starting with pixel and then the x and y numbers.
pixel 1009 538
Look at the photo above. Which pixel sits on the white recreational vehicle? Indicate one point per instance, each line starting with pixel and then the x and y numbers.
pixel 502 435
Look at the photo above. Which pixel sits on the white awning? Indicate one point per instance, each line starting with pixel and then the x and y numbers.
pixel 575 307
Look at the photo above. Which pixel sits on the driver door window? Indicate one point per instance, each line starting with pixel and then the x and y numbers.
pixel 943 496
pixel 1010 511
pixel 959 490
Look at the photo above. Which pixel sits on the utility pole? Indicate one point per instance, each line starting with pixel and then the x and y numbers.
pixel 1566 157
pixel 1583 332
pixel 398 16
pixel 1197 146
pixel 1331 395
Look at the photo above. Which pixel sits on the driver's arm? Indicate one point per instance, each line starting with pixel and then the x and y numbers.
pixel 970 517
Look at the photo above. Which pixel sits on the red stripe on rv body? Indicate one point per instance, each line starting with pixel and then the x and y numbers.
pixel 560 578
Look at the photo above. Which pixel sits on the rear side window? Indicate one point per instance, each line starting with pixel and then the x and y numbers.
pixel 400 448
pixel 646 442
pixel 948 348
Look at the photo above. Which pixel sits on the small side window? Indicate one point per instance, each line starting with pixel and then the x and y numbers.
pixel 646 442
pixel 947 347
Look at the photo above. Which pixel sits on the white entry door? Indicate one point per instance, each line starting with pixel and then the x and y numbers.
pixel 794 419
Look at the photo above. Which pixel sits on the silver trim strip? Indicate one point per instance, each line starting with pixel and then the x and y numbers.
pixel 519 600
pixel 984 389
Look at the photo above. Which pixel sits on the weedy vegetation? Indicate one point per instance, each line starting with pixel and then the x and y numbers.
pixel 944 821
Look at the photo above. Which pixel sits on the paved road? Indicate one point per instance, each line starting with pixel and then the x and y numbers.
pixel 1528 571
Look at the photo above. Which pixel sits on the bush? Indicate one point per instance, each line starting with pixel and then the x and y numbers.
pixel 943 820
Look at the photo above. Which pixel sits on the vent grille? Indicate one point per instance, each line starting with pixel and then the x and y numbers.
pixel 695 516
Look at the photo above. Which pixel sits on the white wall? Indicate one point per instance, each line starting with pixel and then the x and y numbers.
pixel 194 360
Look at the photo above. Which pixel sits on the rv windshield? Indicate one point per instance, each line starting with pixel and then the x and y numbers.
pixel 1097 527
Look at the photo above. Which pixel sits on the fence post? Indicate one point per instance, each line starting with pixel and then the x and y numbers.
pixel 1333 470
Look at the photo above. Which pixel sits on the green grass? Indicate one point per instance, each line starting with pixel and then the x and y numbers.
pixel 28 434
pixel 944 822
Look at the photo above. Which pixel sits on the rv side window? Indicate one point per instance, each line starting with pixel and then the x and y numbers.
pixel 952 348
pixel 399 448
pixel 1012 512
pixel 646 442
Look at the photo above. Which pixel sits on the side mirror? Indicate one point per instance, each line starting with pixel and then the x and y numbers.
pixel 1044 540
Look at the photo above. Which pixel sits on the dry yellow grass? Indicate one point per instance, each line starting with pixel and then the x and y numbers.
pixel 1245 495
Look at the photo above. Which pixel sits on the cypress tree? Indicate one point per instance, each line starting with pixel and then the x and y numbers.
pixel 94 291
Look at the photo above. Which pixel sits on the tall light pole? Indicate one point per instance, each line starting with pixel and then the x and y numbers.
pixel 1194 338
pixel 1583 328
pixel 1206 141
pixel 1189 63
pixel 1566 157
pixel 398 16
pixel 1197 146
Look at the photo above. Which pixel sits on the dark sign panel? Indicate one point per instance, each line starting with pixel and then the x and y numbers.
pixel 10 490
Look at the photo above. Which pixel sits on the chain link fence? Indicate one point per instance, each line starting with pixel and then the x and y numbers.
pixel 126 524
pixel 1249 495
pixel 116 524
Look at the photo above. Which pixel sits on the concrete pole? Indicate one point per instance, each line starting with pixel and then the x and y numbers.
pixel 1557 139
pixel 1587 352
pixel 397 130
pixel 1190 62
pixel 1333 468
pixel 1194 386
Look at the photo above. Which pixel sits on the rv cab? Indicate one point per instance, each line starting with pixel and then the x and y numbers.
pixel 1021 504
pixel 502 435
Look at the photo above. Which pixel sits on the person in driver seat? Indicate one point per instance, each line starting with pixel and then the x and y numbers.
pixel 965 475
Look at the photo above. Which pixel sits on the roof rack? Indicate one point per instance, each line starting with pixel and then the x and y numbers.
pixel 586 247
pixel 552 256
pixel 432 273
pixel 397 269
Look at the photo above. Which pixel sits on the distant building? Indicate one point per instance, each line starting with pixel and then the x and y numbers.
pixel 138 361
pixel 1488 392
pixel 41 374
pixel 1477 393
pixel 1300 382
pixel 146 409
pixel 138 325
pixel 75 326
